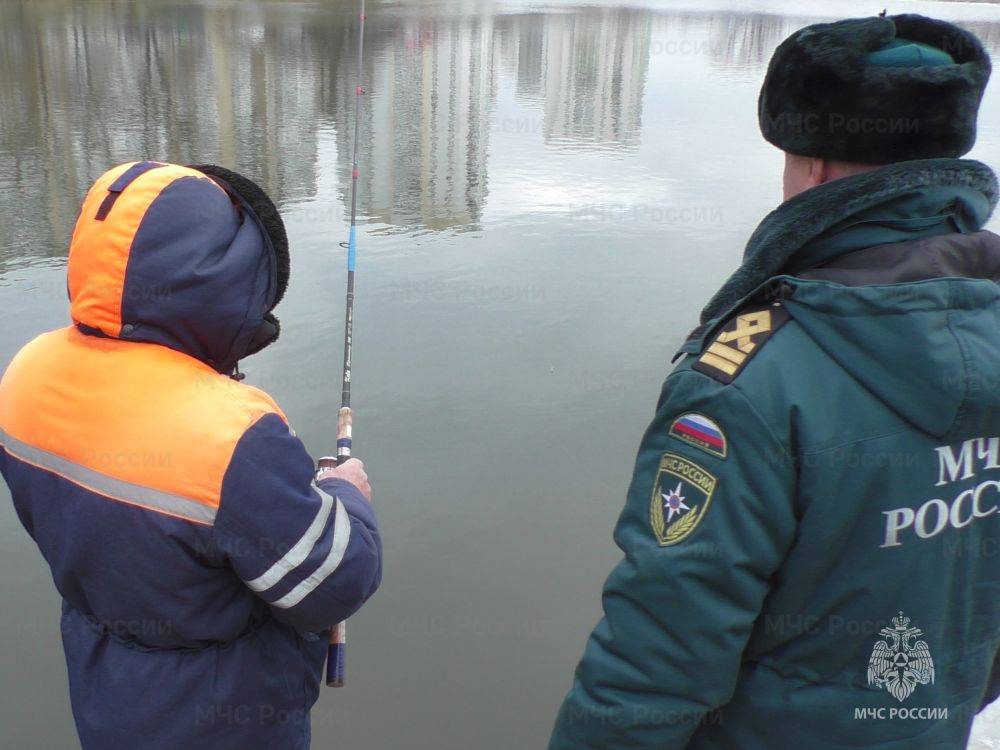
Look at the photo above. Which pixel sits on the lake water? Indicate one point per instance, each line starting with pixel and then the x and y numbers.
pixel 549 194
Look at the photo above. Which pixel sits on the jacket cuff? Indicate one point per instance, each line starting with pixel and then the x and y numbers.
pixel 354 502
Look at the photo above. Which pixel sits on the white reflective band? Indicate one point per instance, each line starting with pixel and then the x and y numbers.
pixel 300 551
pixel 115 489
pixel 341 536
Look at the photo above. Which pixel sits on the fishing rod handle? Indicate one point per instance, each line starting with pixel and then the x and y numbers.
pixel 345 421
pixel 344 444
pixel 336 652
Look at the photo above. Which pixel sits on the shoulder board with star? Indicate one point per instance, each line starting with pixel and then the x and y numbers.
pixel 739 340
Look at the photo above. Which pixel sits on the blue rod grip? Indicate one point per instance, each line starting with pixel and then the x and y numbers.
pixel 335 656
pixel 351 252
pixel 343 450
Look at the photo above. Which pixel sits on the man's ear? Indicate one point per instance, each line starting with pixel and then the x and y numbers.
pixel 819 171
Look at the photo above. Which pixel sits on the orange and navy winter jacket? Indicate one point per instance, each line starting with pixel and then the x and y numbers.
pixel 198 562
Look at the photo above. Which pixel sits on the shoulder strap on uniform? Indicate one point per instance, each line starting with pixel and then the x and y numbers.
pixel 739 340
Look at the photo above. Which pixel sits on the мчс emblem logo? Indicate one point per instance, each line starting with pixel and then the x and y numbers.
pixel 898 663
pixel 682 493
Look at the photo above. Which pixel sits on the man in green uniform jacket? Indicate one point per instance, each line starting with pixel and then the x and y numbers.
pixel 812 532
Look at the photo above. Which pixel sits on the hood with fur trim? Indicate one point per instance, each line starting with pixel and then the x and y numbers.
pixel 174 256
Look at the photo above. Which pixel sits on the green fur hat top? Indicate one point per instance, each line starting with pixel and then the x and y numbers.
pixel 875 90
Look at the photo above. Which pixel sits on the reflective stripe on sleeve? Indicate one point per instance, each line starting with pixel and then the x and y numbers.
pixel 300 551
pixel 341 536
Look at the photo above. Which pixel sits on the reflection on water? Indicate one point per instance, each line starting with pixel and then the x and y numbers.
pixel 588 70
pixel 86 86
pixel 256 85
pixel 83 86
pixel 425 135
pixel 549 194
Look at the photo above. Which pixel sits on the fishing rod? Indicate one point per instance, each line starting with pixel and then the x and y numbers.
pixel 345 418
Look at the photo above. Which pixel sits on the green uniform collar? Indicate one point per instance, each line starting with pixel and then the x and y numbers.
pixel 903 201
pixel 922 212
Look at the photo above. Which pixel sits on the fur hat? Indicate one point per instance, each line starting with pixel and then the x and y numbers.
pixel 875 90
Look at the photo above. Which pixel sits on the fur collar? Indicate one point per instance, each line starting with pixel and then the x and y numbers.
pixel 787 229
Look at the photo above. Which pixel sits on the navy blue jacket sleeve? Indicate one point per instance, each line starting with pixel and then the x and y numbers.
pixel 312 552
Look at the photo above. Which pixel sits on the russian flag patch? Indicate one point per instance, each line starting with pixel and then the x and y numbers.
pixel 701 432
